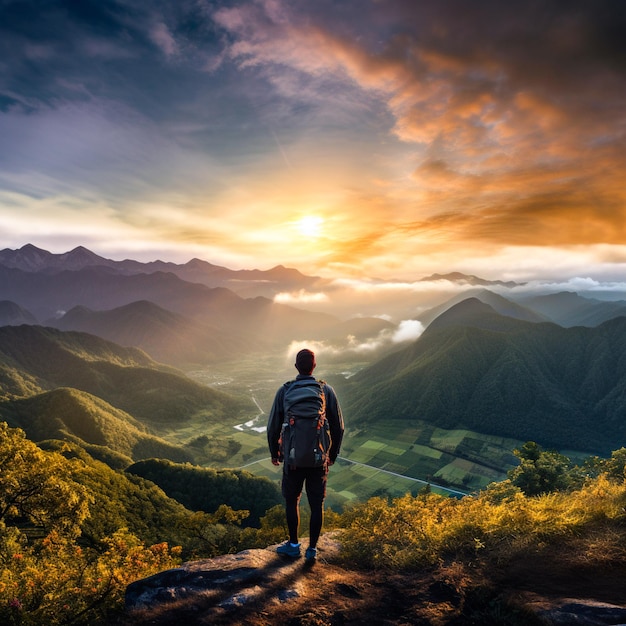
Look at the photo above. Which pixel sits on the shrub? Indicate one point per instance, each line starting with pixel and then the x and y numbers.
pixel 415 531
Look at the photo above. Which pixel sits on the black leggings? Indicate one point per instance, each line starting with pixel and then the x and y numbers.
pixel 293 481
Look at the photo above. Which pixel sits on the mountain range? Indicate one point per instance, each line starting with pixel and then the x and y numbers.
pixel 470 279
pixel 174 320
pixel 496 302
pixel 248 283
pixel 568 308
pixel 543 367
pixel 476 369
pixel 168 337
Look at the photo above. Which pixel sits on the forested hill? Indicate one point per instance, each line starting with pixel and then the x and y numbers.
pixel 561 387
pixel 78 386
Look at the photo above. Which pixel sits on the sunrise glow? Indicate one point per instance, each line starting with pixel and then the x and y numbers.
pixel 310 226
pixel 431 139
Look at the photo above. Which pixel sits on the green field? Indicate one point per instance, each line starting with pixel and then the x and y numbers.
pixel 378 461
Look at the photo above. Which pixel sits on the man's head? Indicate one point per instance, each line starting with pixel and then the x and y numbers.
pixel 305 362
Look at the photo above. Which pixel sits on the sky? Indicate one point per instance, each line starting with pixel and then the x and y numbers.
pixel 346 138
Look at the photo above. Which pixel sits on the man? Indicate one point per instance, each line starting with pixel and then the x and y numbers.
pixel 295 478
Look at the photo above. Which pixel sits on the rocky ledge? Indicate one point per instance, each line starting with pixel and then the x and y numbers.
pixel 225 588
pixel 259 587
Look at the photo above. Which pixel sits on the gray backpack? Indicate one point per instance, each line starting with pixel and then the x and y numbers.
pixel 305 437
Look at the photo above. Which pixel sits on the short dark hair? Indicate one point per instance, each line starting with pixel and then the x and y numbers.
pixel 305 361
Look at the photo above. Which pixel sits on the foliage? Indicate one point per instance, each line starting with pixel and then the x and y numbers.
pixel 56 581
pixel 216 533
pixel 203 489
pixel 414 531
pixel 37 489
pixel 74 415
pixel 540 471
pixel 120 500
pixel 47 573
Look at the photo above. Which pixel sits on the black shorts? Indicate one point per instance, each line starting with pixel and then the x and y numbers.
pixel 315 479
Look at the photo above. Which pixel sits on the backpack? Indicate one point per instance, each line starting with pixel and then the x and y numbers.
pixel 305 436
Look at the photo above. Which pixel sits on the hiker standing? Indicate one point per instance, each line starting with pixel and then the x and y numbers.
pixel 304 432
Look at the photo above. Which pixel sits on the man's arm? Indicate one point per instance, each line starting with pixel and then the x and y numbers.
pixel 335 421
pixel 275 424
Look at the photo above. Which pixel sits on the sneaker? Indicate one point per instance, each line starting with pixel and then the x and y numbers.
pixel 310 554
pixel 288 549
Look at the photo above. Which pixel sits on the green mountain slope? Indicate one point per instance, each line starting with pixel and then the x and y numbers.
pixel 34 359
pixel 69 414
pixel 560 387
pixel 499 304
pixel 476 313
pixel 567 308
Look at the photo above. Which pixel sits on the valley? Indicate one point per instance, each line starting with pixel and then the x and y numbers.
pixel 374 461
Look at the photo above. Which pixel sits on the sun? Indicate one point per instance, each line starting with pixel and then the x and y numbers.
pixel 310 225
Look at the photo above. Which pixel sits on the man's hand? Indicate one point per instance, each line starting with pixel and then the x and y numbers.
pixel 275 461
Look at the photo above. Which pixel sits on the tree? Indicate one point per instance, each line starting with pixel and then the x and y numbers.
pixel 36 488
pixel 616 465
pixel 540 471
pixel 216 533
pixel 46 577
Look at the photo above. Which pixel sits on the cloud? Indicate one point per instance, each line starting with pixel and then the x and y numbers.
pixel 381 287
pixel 583 285
pixel 408 330
pixel 300 297
pixel 507 129
pixel 163 38
pixel 429 134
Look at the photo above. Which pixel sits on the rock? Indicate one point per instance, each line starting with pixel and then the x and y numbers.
pixel 584 613
pixel 227 582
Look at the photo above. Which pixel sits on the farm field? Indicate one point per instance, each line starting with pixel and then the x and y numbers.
pixel 379 461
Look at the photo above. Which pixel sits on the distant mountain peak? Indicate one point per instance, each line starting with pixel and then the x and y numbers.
pixel 469 279
pixel 468 312
pixel 80 257
pixel 497 314
pixel 197 263
pixel 29 258
pixel 29 247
